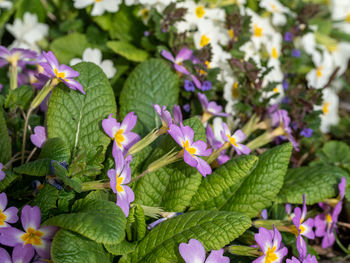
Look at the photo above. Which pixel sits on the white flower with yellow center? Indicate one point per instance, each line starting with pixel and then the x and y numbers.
pixel 100 6
pixel 277 10
pixel 329 109
pixel 341 55
pixel 5 4
pixel 340 10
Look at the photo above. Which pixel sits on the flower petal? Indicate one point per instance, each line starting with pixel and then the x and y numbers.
pixel 23 254
pixel 217 256
pixel 31 217
pixel 192 252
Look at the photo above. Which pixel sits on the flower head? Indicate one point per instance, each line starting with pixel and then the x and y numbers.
pixel 183 55
pixel 8 215
pixel 302 250
pixel 235 139
pixel 38 237
pixel 2 173
pixel 270 243
pixel 189 86
pixel 194 252
pixel 303 227
pixel 210 108
pixel 215 144
pixel 20 253
pixel 121 133
pixel 16 57
pixel 184 135
pixel 39 137
pixel 100 6
pixel 119 178
pixel 60 73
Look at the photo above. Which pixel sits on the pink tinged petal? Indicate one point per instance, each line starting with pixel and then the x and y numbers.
pixel 288 208
pixel 11 214
pixel 118 159
pixel 217 256
pixel 192 252
pixel 196 82
pixel 110 125
pixel 301 247
pixel 181 69
pixel 225 131
pixel 176 133
pixel 223 158
pixel 11 236
pixel 129 122
pixel 3 201
pixel 293 260
pixel 51 59
pixel 239 135
pixel 281 254
pixel 74 85
pixel 4 256
pixel 242 149
pixel 31 217
pixel 184 54
pixel 336 211
pixel 48 69
pixel 2 175
pixel 113 179
pixel 39 136
pixel 214 108
pixel 130 193
pixel 341 187
pixel 130 139
pixel 308 225
pixel 188 133
pixel 277 238
pixel 321 225
pixel 297 217
pixel 49 231
pixel 44 249
pixel 23 254
pixel 168 56
pixel 190 160
pixel 68 71
pixel 126 174
pixel 123 203
pixel 201 147
pixel 203 167
pixel 260 259
pixel 203 100
pixel 264 214
pixel 177 114
pixel 328 240
pixel 264 239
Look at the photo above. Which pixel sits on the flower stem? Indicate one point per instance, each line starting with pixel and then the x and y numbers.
pixel 25 133
pixel 139 176
pixel 94 185
pixel 31 154
pixel 215 154
pixel 347 251
pixel 13 77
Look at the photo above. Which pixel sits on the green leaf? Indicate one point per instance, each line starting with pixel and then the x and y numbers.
pixel 68 47
pixel 55 149
pixel 214 229
pixel 136 223
pixel 73 248
pixel 316 182
pixel 10 177
pixel 337 153
pixel 46 200
pixel 40 167
pixel 62 174
pixel 122 248
pixel 263 184
pixel 128 51
pixel 99 220
pixel 5 140
pixel 152 82
pixel 77 118
pixel 217 189
pixel 33 7
pixel 20 97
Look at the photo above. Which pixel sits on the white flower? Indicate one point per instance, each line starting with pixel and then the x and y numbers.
pixel 95 56
pixel 340 10
pixel 329 109
pixel 217 128
pixel 340 55
pixel 100 6
pixel 278 11
pixel 27 32
pixel 5 4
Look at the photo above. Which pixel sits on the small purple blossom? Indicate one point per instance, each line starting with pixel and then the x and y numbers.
pixel 16 57
pixel 2 173
pixel 206 85
pixel 183 55
pixel 215 144
pixel 235 139
pixel 296 53
pixel 38 237
pixel 285 84
pixel 121 133
pixel 60 73
pixel 189 86
pixel 302 250
pixel 184 135
pixel 20 253
pixel 288 208
pixel 264 214
pixel 307 132
pixel 270 244
pixel 1 86
pixel 39 137
pixel 165 115
pixel 288 37
pixel 8 215
pixel 177 114
pixel 157 222
pixel 194 252
pixel 186 107
pixel 210 108
pixel 119 178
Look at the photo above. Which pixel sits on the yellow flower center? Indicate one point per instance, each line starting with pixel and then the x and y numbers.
pixel 59 75
pixel 2 218
pixel 231 33
pixel 319 71
pixel 186 146
pixel 328 218
pixel 120 189
pixel 119 137
pixel 302 229
pixel 207 63
pixel 32 236
pixel 200 12
pixel 235 93
pixel 274 8
pixel 347 18
pixel 232 140
pixel 204 40
pixel 325 108
pixel 275 90
pixel 274 53
pixel 97 1
pixel 257 31
pixel 271 255
pixel 144 13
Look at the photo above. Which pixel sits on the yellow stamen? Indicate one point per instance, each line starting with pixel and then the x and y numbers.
pixel 271 255
pixel 32 236
pixel 119 188
pixel 325 108
pixel 258 31
pixel 274 53
pixel 302 229
pixel 97 1
pixel 119 137
pixel 275 90
pixel 232 140
pixel 13 59
pixel 202 72
pixel 235 93
pixel 347 18
pixel 329 218
pixel 274 8
pixel 2 218
pixel 319 71
pixel 207 63
pixel 200 12
pixel 59 75
pixel 186 146
pixel 204 40
pixel 231 33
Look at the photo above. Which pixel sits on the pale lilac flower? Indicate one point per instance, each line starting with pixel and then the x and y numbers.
pixel 2 173
pixel 165 115
pixel 326 223
pixel 183 55
pixel 16 56
pixel 210 107
pixel 264 214
pixel 302 250
pixel 119 178
pixel 8 215
pixel 39 137
pixel 194 252
pixel 235 139
pixel 20 254
pixel 121 133
pixel 296 53
pixel 288 37
pixel 216 144
pixel 184 135
pixel 270 244
pixel 177 114
pixel 60 73
pixel 1 86
pixel 38 237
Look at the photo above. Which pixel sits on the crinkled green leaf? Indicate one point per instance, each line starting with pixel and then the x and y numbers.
pixel 316 182
pixel 122 248
pixel 263 184
pixel 336 153
pixel 62 174
pixel 5 140
pixel 68 247
pixel 40 167
pixel 151 82
pixel 136 223
pixel 77 118
pixel 217 189
pixel 99 220
pixel 128 50
pixel 20 97
pixel 68 47
pixel 214 229
pixel 31 6
pixel 55 149
pixel 10 178
pixel 46 200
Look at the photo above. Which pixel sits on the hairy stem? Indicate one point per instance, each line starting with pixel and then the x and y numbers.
pixel 25 133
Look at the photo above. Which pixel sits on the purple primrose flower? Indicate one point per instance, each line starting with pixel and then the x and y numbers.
pixel 16 57
pixel 20 254
pixel 183 55
pixel 165 115
pixel 215 144
pixel 8 215
pixel 39 137
pixel 235 139
pixel 210 108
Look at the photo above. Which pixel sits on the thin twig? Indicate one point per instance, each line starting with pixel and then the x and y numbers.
pixel 31 154
pixel 25 133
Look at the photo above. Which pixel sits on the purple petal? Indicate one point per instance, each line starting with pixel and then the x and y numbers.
pixel 11 236
pixel 129 122
pixel 123 203
pixel 30 217
pixel 189 86
pixel 74 85
pixel 184 54
pixel 203 100
pixel 44 249
pixel 110 125
pixel 328 240
pixel 239 135
pixel 11 214
pixel 118 159
pixel 168 55
pixel 217 256
pixel 242 149
pixel 113 179
pixel 301 246
pixel 307 228
pixel 297 217
pixel 203 167
pixel 187 132
pixel 293 260
pixel 196 82
pixel 264 239
pixel 23 254
pixel 277 238
pixel 130 139
pixel 288 208
pixel 321 225
pixel 336 211
pixel 260 259
pixel 177 114
pixel 264 214
pixel 202 148
pixel 4 256
pixel 192 252
pixel 68 71
pixel 3 201
pixel 176 133
pixel 181 69
pixel 189 159
pixel 49 231
pixel 341 187
pixel 51 59
pixel 39 136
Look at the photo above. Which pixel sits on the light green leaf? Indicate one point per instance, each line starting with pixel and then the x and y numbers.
pixel 152 82
pixel 336 153
pixel 19 97
pixel 55 149
pixel 99 220
pixel 217 189
pixel 40 167
pixel 263 184
pixel 128 51
pixel 68 47
pixel 316 182
pixel 68 247
pixel 136 223
pixel 77 118
pixel 5 140
pixel 33 7
pixel 122 248
pixel 214 229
